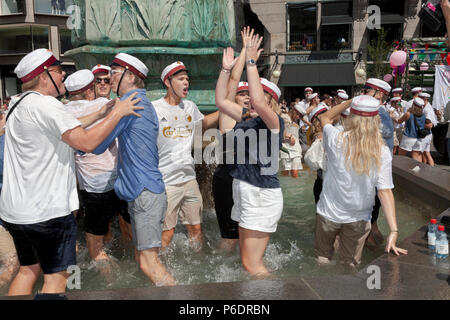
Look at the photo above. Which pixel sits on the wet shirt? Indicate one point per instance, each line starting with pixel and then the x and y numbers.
pixel 138 152
pixel 256 152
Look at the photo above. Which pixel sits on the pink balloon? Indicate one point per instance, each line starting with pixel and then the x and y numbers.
pixel 397 58
pixel 388 77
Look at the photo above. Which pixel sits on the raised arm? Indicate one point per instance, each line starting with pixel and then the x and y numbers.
pixel 328 117
pixel 256 91
pixel 445 5
pixel 226 106
pixel 88 120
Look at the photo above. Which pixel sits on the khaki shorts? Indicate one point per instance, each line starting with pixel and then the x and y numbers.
pixel 7 248
pixel 352 237
pixel 184 200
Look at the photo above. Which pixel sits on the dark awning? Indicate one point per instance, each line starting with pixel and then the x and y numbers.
pixel 318 74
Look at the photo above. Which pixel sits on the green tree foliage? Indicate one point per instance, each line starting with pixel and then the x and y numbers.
pixel 378 50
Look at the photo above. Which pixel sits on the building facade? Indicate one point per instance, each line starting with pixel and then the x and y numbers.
pixel 321 43
pixel 26 25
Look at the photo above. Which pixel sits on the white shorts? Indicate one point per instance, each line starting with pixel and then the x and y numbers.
pixel 256 208
pixel 411 144
pixel 426 143
pixel 291 164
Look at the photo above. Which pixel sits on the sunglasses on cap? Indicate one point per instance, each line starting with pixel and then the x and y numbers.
pixel 106 80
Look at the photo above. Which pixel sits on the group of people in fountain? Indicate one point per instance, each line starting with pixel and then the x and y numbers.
pixel 132 158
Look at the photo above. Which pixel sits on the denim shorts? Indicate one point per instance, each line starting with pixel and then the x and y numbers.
pixel 147 213
pixel 50 243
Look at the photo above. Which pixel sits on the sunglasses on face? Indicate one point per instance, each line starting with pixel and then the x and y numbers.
pixel 106 80
pixel 57 70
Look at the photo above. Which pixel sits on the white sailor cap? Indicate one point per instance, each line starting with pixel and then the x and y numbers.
pixel 100 68
pixel 397 90
pixel 316 111
pixel 172 69
pixel 365 106
pixel 34 63
pixel 341 91
pixel 419 102
pixel 424 95
pixel 79 81
pixel 309 89
pixel 378 84
pixel 343 96
pixel 242 86
pixel 271 88
pixel 396 99
pixel 416 89
pixel 312 96
pixel 131 63
pixel 300 107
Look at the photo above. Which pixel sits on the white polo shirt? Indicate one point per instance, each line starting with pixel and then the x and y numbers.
pixel 177 125
pixel 39 181
pixel 346 196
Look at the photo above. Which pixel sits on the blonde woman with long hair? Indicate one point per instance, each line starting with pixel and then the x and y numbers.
pixel 358 162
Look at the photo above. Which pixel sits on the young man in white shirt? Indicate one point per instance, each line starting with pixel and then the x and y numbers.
pixel 178 120
pixel 96 174
pixel 39 186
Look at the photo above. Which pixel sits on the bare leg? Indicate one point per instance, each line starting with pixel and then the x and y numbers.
pixel 429 158
pixel 24 281
pixel 107 237
pixel 167 236
pixel 152 267
pixel 125 229
pixel 95 247
pixel 294 173
pixel 10 266
pixel 253 245
pixel 228 245
pixel 402 152
pixel 55 282
pixel 416 156
pixel 195 236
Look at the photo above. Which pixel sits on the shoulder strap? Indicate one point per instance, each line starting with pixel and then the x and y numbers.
pixel 16 104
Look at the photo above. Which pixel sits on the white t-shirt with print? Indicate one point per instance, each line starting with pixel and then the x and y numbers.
pixel 177 125
pixel 95 173
pixel 39 181
pixel 346 196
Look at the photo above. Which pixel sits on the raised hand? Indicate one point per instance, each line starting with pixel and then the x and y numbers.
pixel 246 34
pixel 253 51
pixel 228 60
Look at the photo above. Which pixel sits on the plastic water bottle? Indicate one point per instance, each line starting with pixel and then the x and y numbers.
pixel 441 243
pixel 431 235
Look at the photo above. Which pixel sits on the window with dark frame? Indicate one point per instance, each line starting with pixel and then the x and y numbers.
pixel 390 7
pixel 8 7
pixel 302 27
pixel 336 25
pixel 65 38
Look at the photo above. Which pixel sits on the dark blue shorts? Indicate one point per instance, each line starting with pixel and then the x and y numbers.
pixel 51 243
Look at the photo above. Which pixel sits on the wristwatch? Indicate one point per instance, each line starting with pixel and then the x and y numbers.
pixel 251 62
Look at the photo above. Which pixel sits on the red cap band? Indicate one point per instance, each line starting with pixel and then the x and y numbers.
pixel 100 70
pixel 319 112
pixel 271 92
pixel 130 67
pixel 39 69
pixel 364 113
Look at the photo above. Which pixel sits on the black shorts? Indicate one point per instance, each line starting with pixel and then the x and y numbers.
pixel 99 209
pixel 50 243
pixel 223 201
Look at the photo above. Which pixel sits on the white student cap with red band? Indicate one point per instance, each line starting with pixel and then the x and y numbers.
pixel 343 96
pixel 34 63
pixel 316 111
pixel 416 89
pixel 365 106
pixel 378 84
pixel 171 69
pixel 341 91
pixel 79 81
pixel 424 95
pixel 397 90
pixel 271 88
pixel 100 68
pixel 312 96
pixel 419 102
pixel 396 99
pixel 309 89
pixel 133 64
pixel 243 86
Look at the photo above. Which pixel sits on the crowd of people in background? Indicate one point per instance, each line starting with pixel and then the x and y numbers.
pixel 131 158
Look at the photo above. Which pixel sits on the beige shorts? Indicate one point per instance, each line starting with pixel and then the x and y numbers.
pixel 184 200
pixel 352 237
pixel 398 134
pixel 7 248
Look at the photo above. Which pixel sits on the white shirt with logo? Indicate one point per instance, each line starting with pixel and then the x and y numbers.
pixel 95 173
pixel 39 182
pixel 177 125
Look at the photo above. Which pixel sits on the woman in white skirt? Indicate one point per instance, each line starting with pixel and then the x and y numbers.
pixel 291 153
pixel 257 196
